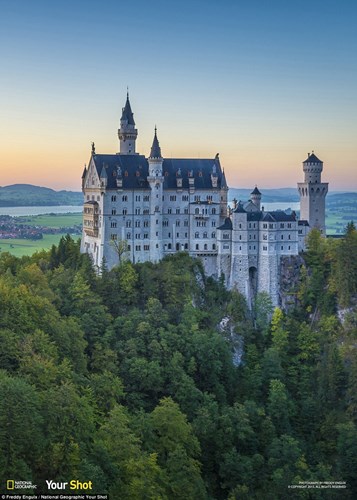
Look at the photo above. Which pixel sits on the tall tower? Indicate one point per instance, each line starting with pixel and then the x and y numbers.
pixel 312 194
pixel 127 133
pixel 156 181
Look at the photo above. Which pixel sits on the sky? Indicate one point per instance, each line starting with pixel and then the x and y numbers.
pixel 261 82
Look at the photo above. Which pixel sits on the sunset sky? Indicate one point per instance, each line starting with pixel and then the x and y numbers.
pixel 262 82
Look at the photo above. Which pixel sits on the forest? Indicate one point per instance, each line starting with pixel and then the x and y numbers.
pixel 155 382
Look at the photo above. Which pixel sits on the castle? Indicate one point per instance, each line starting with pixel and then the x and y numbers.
pixel 145 208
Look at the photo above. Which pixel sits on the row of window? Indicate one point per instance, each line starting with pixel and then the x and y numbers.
pixel 146 197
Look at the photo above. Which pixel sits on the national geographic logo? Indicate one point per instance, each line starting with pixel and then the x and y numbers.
pixel 12 484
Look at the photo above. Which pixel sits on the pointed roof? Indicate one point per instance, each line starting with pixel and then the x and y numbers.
pixel 312 158
pixel 155 148
pixel 103 173
pixel 256 191
pixel 127 113
pixel 223 181
pixel 84 172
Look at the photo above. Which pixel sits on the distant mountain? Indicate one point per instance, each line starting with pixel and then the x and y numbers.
pixel 268 195
pixel 21 195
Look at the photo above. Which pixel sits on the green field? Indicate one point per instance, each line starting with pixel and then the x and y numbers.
pixel 28 247
pixel 51 220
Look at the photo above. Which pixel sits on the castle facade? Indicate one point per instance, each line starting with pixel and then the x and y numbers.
pixel 142 209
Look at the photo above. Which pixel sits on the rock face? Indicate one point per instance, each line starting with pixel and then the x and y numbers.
pixel 227 328
pixel 289 281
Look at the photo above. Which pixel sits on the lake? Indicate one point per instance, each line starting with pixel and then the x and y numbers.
pixel 60 209
pixel 63 209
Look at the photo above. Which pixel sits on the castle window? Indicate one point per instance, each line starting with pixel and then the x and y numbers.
pixel 137 236
pixel 184 197
pixel 300 231
pixel 282 225
pixel 240 248
pixel 169 235
pixel 138 248
pixel 197 235
pixel 125 198
pixel 169 246
pixel 137 211
pixel 146 197
pixel 169 210
pixel 177 235
pixel 137 223
pixel 265 236
pixel 271 226
pixel 186 211
pixel 113 236
pixel 265 248
pixel 213 223
pixel 213 211
pixel 125 211
pixel 240 236
pixel 128 236
pixel 289 225
pixel 197 211
pixel 197 198
pixel 282 248
pixel 137 198
pixel 185 222
pixel 250 225
pixel 146 236
pixel 186 246
pixel 113 224
pixel 114 212
pixel 205 246
pixel 213 235
pixel 289 247
pixel 177 210
pixel 129 248
pixel 172 198
pixel 165 223
pixel 197 247
pixel 265 226
pixel 282 236
pixel 114 198
pixel 177 223
pixel 289 237
pixel 146 223
pixel 213 246
pixel 205 235
pixel 146 247
pixel 146 211
pixel 225 236
pixel 128 223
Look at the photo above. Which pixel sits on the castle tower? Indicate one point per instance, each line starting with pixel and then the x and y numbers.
pixel 312 194
pixel 256 197
pixel 156 181
pixel 127 133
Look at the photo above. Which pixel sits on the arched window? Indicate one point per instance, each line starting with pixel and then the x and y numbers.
pixel 197 211
pixel 197 235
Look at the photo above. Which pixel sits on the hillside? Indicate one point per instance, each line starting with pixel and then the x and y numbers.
pixel 20 195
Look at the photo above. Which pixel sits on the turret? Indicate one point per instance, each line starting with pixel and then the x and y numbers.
pixel 256 197
pixel 155 159
pixel 312 194
pixel 127 132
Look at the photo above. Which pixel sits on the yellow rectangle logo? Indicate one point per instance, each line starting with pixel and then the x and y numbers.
pixel 10 484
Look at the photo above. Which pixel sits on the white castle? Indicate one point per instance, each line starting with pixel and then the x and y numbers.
pixel 143 209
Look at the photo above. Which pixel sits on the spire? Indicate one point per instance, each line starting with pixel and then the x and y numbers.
pixel 256 191
pixel 127 114
pixel 223 181
pixel 155 148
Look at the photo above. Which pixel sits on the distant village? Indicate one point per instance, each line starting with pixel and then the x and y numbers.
pixel 17 228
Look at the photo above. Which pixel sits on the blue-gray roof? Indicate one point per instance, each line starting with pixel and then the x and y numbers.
pixel 155 148
pixel 227 225
pixel 127 114
pixel 135 170
pixel 312 158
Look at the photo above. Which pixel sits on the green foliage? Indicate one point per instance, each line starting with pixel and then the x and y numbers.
pixel 124 378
